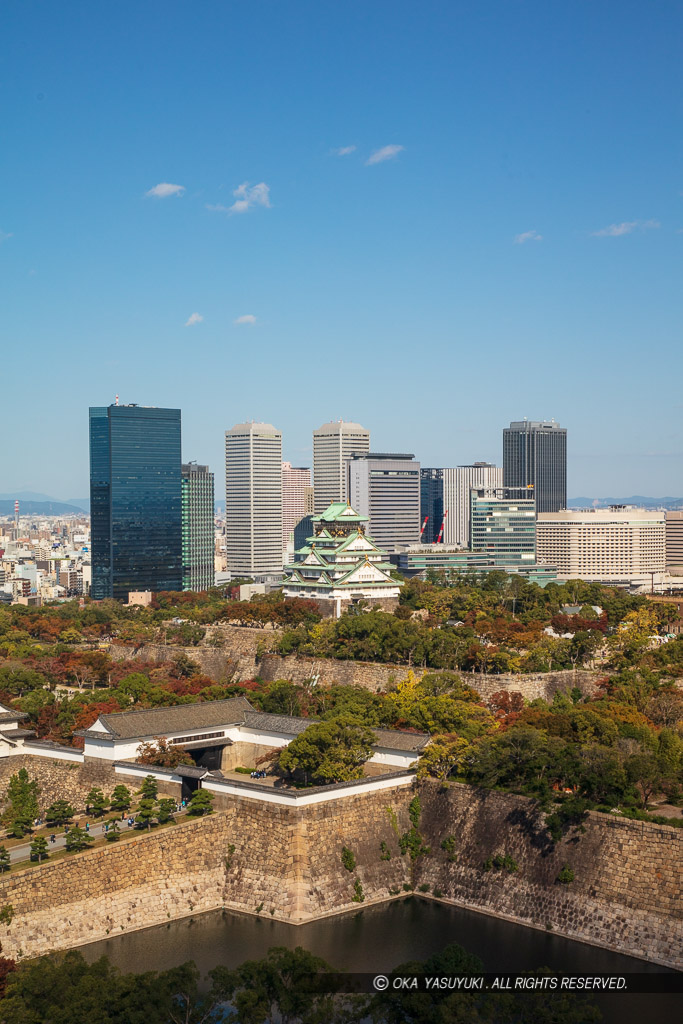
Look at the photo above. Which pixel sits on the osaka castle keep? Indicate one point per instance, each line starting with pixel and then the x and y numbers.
pixel 341 565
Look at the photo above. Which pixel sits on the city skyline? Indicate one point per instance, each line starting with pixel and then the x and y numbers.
pixel 191 233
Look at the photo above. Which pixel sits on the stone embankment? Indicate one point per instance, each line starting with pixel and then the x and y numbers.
pixel 245 653
pixel 286 863
pixel 59 780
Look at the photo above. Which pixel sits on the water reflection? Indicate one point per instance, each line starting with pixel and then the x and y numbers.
pixel 380 937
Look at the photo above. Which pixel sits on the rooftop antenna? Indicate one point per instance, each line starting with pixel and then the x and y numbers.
pixel 117 400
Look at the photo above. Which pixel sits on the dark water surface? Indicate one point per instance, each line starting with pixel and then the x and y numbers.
pixel 379 938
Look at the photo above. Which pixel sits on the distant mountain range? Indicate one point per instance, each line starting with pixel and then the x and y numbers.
pixel 37 504
pixel 39 508
pixel 634 499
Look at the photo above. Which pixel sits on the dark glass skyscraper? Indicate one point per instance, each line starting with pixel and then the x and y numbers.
pixel 135 500
pixel 431 503
pixel 535 457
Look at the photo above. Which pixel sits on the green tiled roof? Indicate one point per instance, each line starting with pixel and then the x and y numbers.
pixel 339 510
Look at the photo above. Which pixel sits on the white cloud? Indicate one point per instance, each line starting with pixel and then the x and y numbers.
pixel 217 208
pixel 528 236
pixel 344 150
pixel 385 153
pixel 625 228
pixel 248 318
pixel 248 196
pixel 165 189
pixel 4 235
pixel 195 318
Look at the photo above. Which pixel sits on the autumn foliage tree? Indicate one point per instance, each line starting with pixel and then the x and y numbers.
pixel 162 753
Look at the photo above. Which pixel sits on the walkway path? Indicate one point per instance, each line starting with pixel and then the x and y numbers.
pixel 23 852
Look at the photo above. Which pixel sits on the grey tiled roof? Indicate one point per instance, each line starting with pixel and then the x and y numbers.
pixel 181 718
pixel 51 745
pixel 12 716
pixel 234 711
pixel 287 724
pixel 397 740
pixel 291 726
pixel 191 771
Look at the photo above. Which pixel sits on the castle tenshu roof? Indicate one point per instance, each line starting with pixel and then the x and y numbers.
pixel 339 510
pixel 153 722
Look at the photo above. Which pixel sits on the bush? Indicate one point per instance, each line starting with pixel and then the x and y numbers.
pixel 359 895
pixel 448 844
pixel 566 875
pixel 385 853
pixel 501 863
pixel 348 859
pixel 241 770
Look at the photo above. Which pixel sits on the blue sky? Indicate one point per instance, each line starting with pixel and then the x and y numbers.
pixel 502 237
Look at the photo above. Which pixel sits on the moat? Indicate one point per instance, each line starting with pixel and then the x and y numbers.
pixel 377 939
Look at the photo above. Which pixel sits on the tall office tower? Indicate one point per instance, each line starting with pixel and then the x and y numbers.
pixel 135 498
pixel 674 539
pixel 503 525
pixel 457 484
pixel 535 457
pixel 309 500
pixel 253 499
pixel 333 445
pixel 386 488
pixel 198 531
pixel 296 480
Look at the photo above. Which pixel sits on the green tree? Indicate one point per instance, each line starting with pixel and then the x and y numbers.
pixel 17 679
pixel 201 802
pixel 4 859
pixel 96 801
pixel 59 812
pixel 275 988
pixel 22 793
pixel 330 751
pixel 64 988
pixel 39 849
pixel 149 788
pixel 121 798
pixel 644 771
pixel 77 839
pixel 444 756
pixel 167 807
pixel 146 812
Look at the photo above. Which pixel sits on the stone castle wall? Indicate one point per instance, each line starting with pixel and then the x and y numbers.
pixel 70 781
pixel 247 653
pixel 286 862
pixel 628 876
pixel 60 779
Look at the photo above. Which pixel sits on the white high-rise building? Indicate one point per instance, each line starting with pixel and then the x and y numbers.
pixel 253 499
pixel 333 445
pixel 296 482
pixel 457 484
